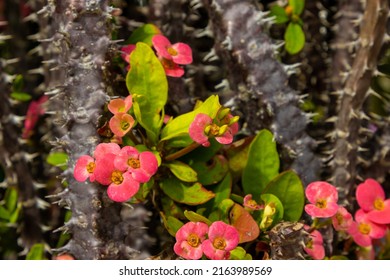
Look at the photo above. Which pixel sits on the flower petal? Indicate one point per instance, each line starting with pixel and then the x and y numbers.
pixel 184 53
pixel 104 148
pixel 367 193
pixel 321 190
pixel 381 216
pixel 161 44
pixel 197 127
pixel 124 191
pixel 80 170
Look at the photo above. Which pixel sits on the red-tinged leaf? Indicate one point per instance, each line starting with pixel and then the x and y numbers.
pixel 244 223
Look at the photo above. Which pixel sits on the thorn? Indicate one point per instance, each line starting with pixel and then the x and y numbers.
pixel 5 37
pixel 42 204
pixel 223 84
pixel 227 43
pixel 196 4
pixel 206 32
pixel 30 157
pixel 211 56
pixel 36 71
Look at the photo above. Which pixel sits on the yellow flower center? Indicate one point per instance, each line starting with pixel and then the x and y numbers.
pixel 379 204
pixel 116 177
pixel 91 167
pixel 214 129
pixel 172 51
pixel 252 203
pixel 339 218
pixel 288 10
pixel 124 125
pixel 134 163
pixel 321 203
pixel 193 239
pixel 167 64
pixel 309 244
pixel 219 243
pixel 364 228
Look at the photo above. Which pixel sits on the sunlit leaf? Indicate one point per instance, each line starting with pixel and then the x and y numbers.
pixel 297 6
pixel 246 226
pixel 171 224
pixel 211 172
pixel 280 14
pixel 144 34
pixel 37 252
pixel 294 38
pixel 195 217
pixel 182 171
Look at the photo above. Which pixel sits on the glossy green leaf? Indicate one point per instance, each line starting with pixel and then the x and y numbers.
pixel 237 154
pixel 20 96
pixel 246 226
pixel 203 153
pixel 294 38
pixel 182 171
pixel 144 190
pixel 59 159
pixel 288 187
pixel 297 6
pixel 280 14
pixel 148 84
pixel 178 127
pixel 239 253
pixel 171 224
pixel 212 171
pixel 275 201
pixel 183 193
pixel 15 214
pixel 144 34
pixel 262 165
pixel 171 208
pixel 195 217
pixel 37 252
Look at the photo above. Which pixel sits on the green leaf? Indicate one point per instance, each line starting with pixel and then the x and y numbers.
pixel 239 253
pixel 195 217
pixel 180 192
pixel 171 224
pixel 18 83
pixel 280 14
pixel 11 199
pixel 237 155
pixel 212 171
pixel 15 214
pixel 222 191
pixel 37 252
pixel 148 84
pixel 178 127
pixel 144 190
pixel 144 34
pixel 170 208
pixel 294 38
pixel 222 212
pixel 59 159
pixel 288 187
pixel 4 213
pixel 182 171
pixel 20 96
pixel 246 226
pixel 262 165
pixel 297 6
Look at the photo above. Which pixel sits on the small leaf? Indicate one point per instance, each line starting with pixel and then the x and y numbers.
pixel 211 172
pixel 294 37
pixel 182 171
pixel 239 253
pixel 237 155
pixel 171 224
pixel 11 199
pixel 144 190
pixel 288 187
pixel 59 159
pixel 278 216
pixel 37 252
pixel 222 191
pixel 297 6
pixel 15 215
pixel 222 212
pixel 195 217
pixel 171 208
pixel 20 96
pixel 244 223
pixel 280 14
pixel 262 165
pixel 4 213
pixel 144 34
pixel 180 192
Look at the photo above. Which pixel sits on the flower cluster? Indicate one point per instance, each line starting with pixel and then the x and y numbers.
pixel 370 221
pixel 121 123
pixel 121 169
pixel 170 55
pixel 223 128
pixel 192 242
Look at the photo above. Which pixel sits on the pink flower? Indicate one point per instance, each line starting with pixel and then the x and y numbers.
pixel 142 165
pixel 189 240
pixel 251 204
pixel 121 123
pixel 126 51
pixel 179 53
pixel 120 105
pixel 121 185
pixel 34 111
pixel 202 127
pixel 84 169
pixel 315 247
pixel 171 68
pixel 222 239
pixel 106 148
pixel 342 220
pixel 364 230
pixel 371 198
pixel 323 197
